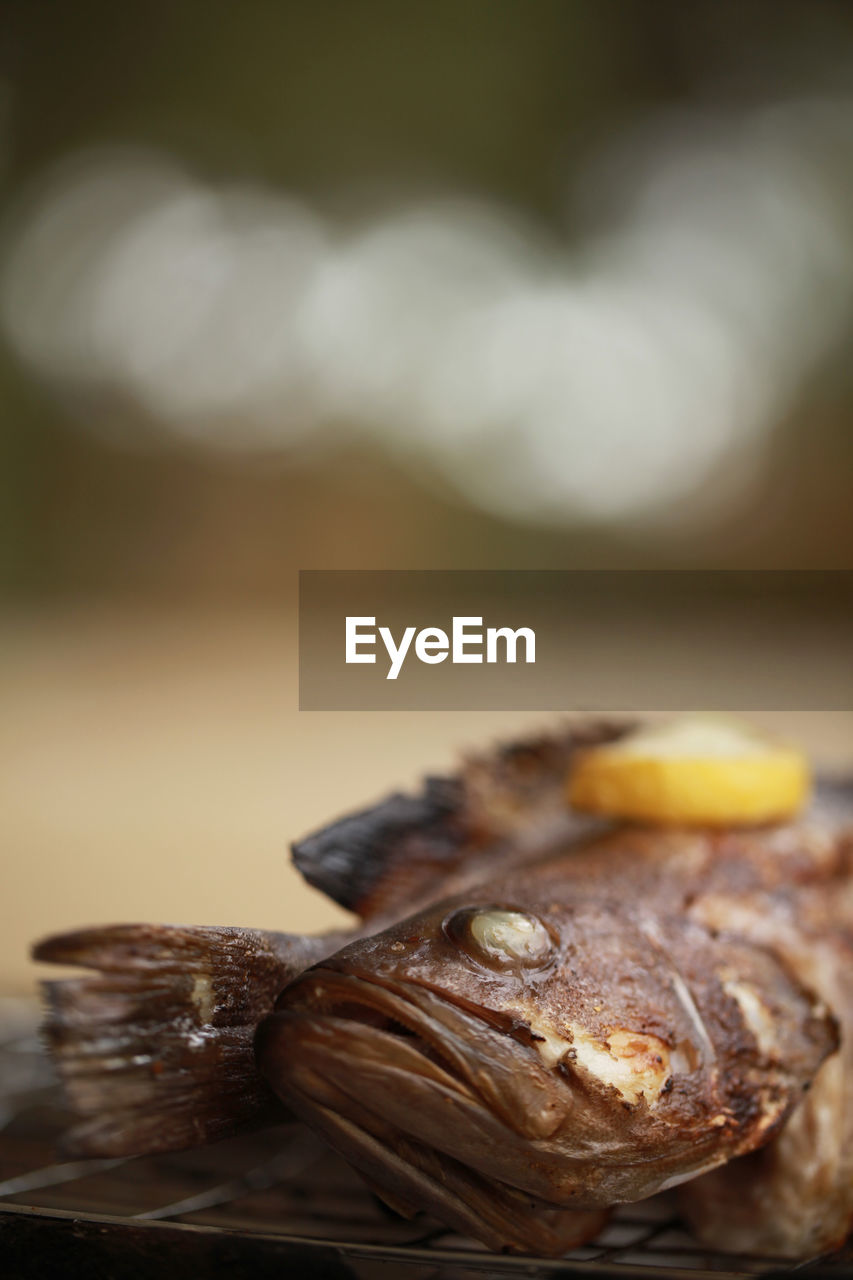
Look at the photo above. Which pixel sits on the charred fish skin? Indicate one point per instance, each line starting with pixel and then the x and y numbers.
pixel 501 809
pixel 793 1198
pixel 551 1039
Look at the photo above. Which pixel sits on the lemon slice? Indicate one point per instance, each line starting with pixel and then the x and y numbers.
pixel 700 771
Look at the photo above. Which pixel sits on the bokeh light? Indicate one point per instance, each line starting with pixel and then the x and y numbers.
pixel 546 379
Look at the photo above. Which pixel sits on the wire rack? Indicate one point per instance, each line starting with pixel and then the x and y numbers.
pixel 276 1202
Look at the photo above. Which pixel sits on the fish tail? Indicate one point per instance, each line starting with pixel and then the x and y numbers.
pixel 155 1046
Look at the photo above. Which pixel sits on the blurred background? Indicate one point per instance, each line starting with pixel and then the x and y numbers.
pixel 566 283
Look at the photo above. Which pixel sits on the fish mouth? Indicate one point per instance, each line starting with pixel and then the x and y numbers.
pixel 432 1101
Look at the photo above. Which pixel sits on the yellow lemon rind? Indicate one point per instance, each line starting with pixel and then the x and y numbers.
pixel 716 791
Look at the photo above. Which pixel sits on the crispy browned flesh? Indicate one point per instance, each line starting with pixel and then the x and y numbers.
pixel 642 1043
pixel 155 1048
pixel 500 809
pixel 793 1198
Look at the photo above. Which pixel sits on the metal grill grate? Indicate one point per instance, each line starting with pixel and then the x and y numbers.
pixel 270 1202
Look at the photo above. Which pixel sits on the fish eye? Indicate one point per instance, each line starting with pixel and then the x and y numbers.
pixel 502 938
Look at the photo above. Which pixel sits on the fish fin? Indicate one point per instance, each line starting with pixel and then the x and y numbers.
pixel 507 806
pixel 155 1048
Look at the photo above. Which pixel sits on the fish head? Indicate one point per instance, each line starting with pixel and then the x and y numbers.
pixel 493 1059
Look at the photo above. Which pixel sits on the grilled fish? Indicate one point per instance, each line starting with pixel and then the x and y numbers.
pixel 541 1016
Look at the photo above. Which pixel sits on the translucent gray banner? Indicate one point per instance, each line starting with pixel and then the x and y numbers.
pixel 575 640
